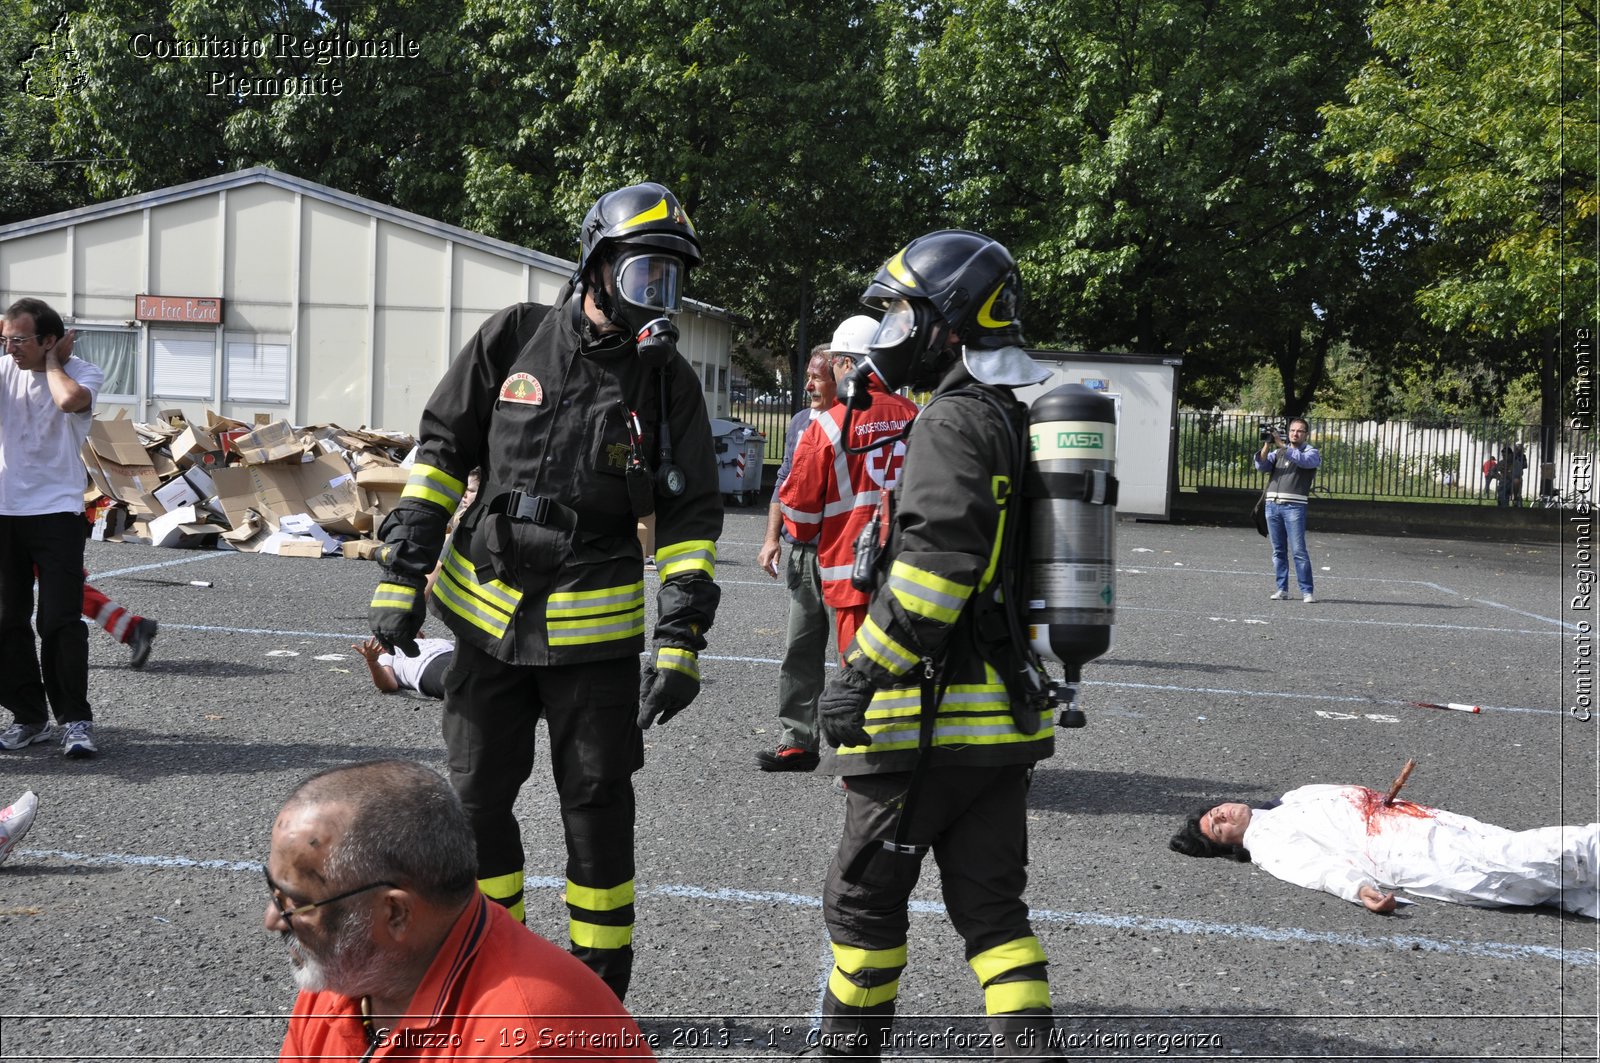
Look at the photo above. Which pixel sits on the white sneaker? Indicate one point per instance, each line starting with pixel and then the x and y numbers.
pixel 1278 596
pixel 21 735
pixel 15 821
pixel 1309 599
pixel 77 739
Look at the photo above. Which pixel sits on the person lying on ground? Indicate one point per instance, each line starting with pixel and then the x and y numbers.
pixel 1351 842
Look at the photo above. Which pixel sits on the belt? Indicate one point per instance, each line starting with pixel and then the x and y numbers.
pixel 538 509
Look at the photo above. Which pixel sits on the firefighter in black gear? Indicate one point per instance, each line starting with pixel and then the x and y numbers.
pixel 926 736
pixel 583 419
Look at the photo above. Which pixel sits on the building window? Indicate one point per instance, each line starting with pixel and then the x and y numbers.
pixel 116 352
pixel 182 365
pixel 257 372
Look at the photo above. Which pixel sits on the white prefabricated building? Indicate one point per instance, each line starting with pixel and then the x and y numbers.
pixel 256 292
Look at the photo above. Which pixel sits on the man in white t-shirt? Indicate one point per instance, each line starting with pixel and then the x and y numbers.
pixel 46 405
pixel 423 673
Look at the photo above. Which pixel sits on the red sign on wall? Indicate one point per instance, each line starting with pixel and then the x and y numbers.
pixel 182 309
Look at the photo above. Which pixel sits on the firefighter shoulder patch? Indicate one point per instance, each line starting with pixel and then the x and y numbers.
pixel 522 387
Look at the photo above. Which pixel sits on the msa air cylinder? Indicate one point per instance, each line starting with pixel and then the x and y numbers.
pixel 1072 494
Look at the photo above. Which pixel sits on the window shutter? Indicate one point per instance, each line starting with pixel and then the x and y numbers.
pixel 182 367
pixel 258 372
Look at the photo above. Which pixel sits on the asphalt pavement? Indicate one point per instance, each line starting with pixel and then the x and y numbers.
pixel 131 916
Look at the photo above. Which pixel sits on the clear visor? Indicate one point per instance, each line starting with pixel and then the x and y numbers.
pixel 651 281
pixel 898 324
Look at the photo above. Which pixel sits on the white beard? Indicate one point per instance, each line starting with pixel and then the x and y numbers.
pixel 348 968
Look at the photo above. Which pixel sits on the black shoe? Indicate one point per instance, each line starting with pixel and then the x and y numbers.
pixel 144 637
pixel 787 758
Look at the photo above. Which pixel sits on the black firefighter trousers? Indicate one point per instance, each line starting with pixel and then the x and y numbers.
pixel 974 820
pixel 490 712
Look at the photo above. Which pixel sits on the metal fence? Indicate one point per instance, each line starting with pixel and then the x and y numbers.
pixel 1391 460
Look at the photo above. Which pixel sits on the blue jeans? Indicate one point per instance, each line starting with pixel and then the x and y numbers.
pixel 1286 528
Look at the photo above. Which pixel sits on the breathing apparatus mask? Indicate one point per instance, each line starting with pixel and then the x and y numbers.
pixel 637 290
pixel 909 348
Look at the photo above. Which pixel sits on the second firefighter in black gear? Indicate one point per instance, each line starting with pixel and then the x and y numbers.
pixel 951 780
pixel 583 419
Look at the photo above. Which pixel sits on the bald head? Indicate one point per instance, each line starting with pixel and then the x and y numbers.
pixel 389 820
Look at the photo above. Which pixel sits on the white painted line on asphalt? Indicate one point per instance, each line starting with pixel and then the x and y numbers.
pixel 1296 614
pixel 1497 950
pixel 149 568
pixel 1263 694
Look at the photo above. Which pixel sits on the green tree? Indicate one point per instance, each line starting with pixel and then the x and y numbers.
pixel 1481 116
pixel 1156 166
pixel 32 180
pixel 151 95
pixel 764 117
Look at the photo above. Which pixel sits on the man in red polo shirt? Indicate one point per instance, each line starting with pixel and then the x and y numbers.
pixel 373 881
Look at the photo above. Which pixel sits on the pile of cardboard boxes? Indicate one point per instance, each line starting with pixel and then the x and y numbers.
pixel 267 488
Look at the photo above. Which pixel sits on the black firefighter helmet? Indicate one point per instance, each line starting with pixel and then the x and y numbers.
pixel 636 248
pixel 950 281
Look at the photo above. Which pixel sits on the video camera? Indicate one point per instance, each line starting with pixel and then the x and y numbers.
pixel 1268 429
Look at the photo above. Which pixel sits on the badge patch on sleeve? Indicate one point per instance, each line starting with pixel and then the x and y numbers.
pixel 522 387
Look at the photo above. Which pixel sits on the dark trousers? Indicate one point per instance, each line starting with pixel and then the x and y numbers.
pixel 490 713
pixel 56 675
pixel 974 820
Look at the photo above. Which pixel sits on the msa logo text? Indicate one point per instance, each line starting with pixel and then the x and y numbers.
pixel 1082 440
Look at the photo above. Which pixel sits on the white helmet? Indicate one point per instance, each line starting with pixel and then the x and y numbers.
pixel 853 335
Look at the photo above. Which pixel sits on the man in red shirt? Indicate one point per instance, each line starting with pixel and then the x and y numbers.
pixel 831 493
pixel 373 881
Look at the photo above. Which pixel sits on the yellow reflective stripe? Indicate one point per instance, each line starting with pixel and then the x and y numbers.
pixel 394 596
pixel 576 632
pixel 594 936
pixel 925 594
pixel 899 271
pixel 851 960
pixel 506 891
pixel 655 213
pixel 486 607
pixel 434 485
pixel 691 555
pixel 992 963
pixel 495 594
pixel 685 661
pixel 600 900
pixel 1007 997
pixel 875 642
pixel 591 603
pixel 1001 486
pixel 853 996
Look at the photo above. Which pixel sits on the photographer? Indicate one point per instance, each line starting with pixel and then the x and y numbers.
pixel 1292 467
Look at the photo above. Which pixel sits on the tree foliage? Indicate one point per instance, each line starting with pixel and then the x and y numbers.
pixel 1481 115
pixel 1157 162
pixel 1239 183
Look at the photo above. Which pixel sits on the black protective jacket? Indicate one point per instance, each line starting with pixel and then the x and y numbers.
pixel 545 568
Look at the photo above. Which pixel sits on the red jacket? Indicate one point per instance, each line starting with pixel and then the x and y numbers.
pixel 830 495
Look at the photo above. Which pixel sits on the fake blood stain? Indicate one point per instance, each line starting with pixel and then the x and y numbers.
pixel 1373 810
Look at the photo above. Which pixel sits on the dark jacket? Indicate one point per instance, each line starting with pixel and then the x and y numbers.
pixel 545 420
pixel 956 485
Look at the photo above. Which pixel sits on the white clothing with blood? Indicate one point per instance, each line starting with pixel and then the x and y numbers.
pixel 1339 838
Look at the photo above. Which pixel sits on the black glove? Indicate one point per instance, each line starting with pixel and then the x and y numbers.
pixel 396 616
pixel 842 709
pixel 668 685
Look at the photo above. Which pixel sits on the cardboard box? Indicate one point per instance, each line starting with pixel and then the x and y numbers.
pixel 183 526
pixel 382 484
pixel 325 489
pixel 117 441
pixel 128 484
pixel 191 444
pixel 274 442
pixel 175 494
pixel 361 549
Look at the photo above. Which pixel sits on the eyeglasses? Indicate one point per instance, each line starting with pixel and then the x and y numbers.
pixel 18 341
pixel 291 911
